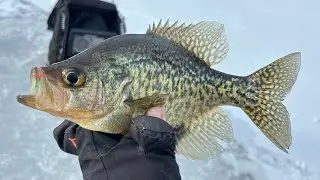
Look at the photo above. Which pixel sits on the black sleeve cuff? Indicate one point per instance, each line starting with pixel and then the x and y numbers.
pixel 153 134
pixel 146 152
pixel 64 135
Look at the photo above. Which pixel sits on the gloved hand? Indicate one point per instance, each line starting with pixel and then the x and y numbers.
pixel 145 152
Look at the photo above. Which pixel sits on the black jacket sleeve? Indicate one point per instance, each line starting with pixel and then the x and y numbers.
pixel 145 152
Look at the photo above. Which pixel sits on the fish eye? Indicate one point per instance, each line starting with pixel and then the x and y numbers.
pixel 73 77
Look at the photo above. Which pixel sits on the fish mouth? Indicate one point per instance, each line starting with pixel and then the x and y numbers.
pixel 39 91
pixel 37 79
pixel 48 93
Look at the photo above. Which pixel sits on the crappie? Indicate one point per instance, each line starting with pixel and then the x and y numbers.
pixel 104 87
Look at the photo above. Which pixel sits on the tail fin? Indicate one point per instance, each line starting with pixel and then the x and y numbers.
pixel 273 83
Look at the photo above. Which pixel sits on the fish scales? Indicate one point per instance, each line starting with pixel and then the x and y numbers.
pixel 106 86
pixel 158 64
pixel 199 94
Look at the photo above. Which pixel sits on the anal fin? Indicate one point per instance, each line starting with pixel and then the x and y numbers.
pixel 199 138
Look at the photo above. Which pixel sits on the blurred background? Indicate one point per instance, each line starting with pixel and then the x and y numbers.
pixel 259 32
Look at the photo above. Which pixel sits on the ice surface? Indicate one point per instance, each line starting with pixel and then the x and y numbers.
pixel 28 150
pixel 27 147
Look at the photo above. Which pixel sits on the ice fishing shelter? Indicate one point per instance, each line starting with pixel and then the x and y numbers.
pixel 80 24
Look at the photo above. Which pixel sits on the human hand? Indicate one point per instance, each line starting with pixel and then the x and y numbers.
pixel 156 112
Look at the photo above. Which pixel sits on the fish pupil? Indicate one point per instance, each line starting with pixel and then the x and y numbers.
pixel 72 78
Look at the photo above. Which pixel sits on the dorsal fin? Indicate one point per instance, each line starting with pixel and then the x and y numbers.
pixel 206 39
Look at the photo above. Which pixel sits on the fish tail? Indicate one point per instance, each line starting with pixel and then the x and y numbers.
pixel 271 84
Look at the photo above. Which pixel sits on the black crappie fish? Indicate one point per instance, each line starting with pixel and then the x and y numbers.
pixel 104 87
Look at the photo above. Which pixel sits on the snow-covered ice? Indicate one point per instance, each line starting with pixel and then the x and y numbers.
pixel 258 31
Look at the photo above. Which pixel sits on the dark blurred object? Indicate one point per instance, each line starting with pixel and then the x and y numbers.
pixel 80 24
pixel 147 151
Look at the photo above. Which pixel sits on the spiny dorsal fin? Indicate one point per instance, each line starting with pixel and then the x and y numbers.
pixel 206 39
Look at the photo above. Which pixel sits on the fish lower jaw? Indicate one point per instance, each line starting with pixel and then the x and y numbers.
pixel 30 101
pixel 105 128
pixel 27 100
pixel 107 124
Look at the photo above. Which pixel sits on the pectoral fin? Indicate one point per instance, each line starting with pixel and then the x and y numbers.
pixel 147 102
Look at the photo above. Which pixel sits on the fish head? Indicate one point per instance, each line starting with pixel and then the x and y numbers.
pixel 72 89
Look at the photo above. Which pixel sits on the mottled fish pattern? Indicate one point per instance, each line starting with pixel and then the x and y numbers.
pixel 104 87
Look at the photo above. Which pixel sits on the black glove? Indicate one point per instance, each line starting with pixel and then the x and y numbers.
pixel 145 152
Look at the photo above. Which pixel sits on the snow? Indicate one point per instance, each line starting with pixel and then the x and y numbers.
pixel 258 31
pixel 27 149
